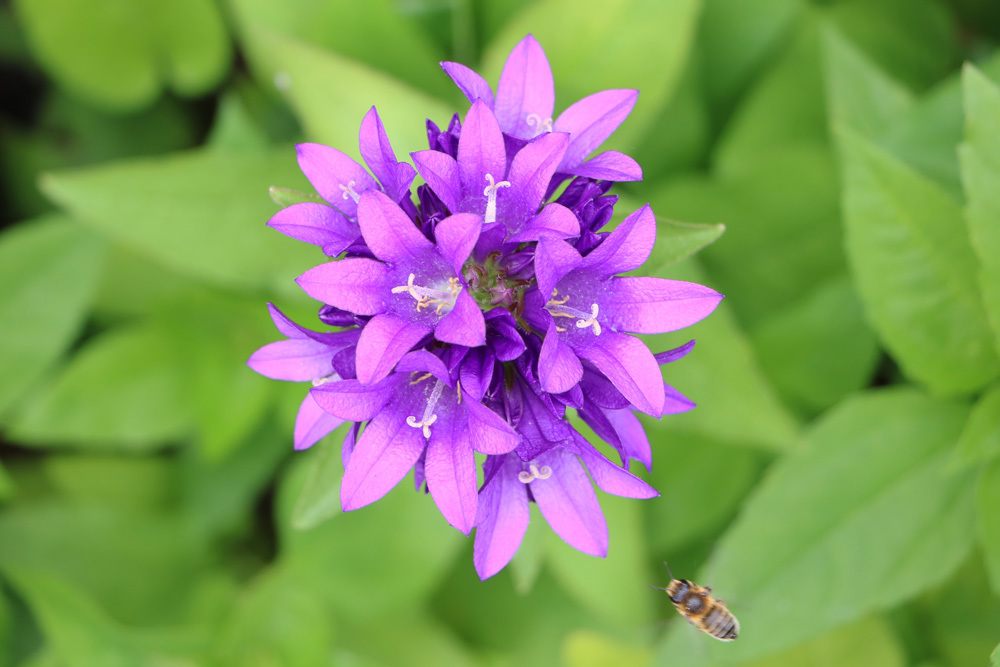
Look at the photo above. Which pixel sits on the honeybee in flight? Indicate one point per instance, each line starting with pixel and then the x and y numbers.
pixel 702 610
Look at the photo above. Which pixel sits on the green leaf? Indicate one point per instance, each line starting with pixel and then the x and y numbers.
pixel 960 619
pixel 866 643
pixel 995 657
pixel 794 345
pixel 330 94
pixel 415 633
pixel 200 213
pixel 48 272
pixel 120 57
pixel 586 648
pixel 320 497
pixel 980 439
pixel 980 159
pixel 123 390
pixel 864 517
pixel 676 241
pixel 622 600
pixel 665 28
pixel 988 523
pixel 141 483
pixel 530 556
pixel 915 270
pixel 6 484
pixel 132 286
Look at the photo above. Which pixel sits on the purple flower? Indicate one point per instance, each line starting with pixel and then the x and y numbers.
pixel 472 315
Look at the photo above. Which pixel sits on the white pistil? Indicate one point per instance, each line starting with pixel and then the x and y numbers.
pixel 332 377
pixel 443 300
pixel 538 124
pixel 534 472
pixel 557 308
pixel 429 417
pixel 349 191
pixel 491 197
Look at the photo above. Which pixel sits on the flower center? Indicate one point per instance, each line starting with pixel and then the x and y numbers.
pixel 429 417
pixel 534 472
pixel 349 191
pixel 491 197
pixel 557 308
pixel 538 124
pixel 443 300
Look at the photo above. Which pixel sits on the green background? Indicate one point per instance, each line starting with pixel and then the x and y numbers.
pixel 838 485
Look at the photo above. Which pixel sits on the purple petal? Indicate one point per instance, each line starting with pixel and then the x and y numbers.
pixel 394 175
pixel 317 224
pixel 630 366
pixel 450 469
pixel 422 361
pixel 631 435
pixel 383 342
pixel 655 305
pixel 568 502
pixel 559 368
pixel 611 478
pixel 388 232
pixel 356 284
pixel 675 402
pixel 294 360
pixel 353 401
pixel 480 151
pixel 675 354
pixel 488 431
pixel 456 237
pixel 555 221
pixel 530 174
pixel 337 340
pixel 383 455
pixel 284 324
pixel 525 89
pixel 440 171
pixel 334 175
pixel 608 166
pixel 553 260
pixel 502 335
pixel 473 86
pixel 626 248
pixel 592 120
pixel 313 423
pixel 477 372
pixel 464 325
pixel 501 520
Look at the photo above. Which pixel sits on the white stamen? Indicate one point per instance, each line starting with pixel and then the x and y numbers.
pixel 349 191
pixel 557 308
pixel 428 418
pixel 491 197
pixel 332 377
pixel 538 124
pixel 534 472
pixel 443 300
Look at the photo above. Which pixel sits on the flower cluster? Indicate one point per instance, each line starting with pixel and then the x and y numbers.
pixel 472 317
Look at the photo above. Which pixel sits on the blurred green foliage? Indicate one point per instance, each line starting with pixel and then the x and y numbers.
pixel 839 484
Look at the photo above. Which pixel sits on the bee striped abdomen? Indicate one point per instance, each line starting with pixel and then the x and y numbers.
pixel 696 604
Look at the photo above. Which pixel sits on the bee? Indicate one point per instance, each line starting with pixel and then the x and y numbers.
pixel 702 610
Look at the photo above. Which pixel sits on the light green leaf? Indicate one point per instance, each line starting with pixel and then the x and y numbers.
pixel 960 618
pixel 48 272
pixel 586 648
pixel 980 159
pixel 676 241
pixel 234 128
pixel 568 35
pixel 123 390
pixel 915 270
pixel 6 484
pixel 866 643
pixel 330 94
pixel 530 556
pixel 417 637
pixel 980 439
pixel 120 54
pixel 995 657
pixel 988 522
pixel 743 409
pixel 864 517
pixel 320 497
pixel 794 346
pixel 200 213
pixel 622 600
pixel 141 483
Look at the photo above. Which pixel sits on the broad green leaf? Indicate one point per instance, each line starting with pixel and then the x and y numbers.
pixel 980 439
pixel 131 286
pixel 200 213
pixel 866 643
pixel 320 497
pixel 683 466
pixel 914 270
pixel 794 347
pixel 123 390
pixel 6 484
pixel 417 637
pixel 330 93
pixel 959 620
pixel 120 54
pixel 622 600
pixel 48 272
pixel 277 621
pixel 988 521
pixel 995 657
pixel 980 159
pixel 530 556
pixel 665 28
pixel 742 409
pixel 140 483
pixel 865 516
pixel 676 241
pixel 234 128
pixel 586 648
